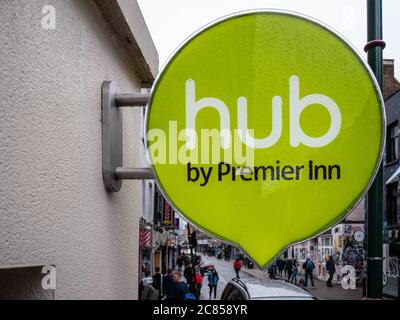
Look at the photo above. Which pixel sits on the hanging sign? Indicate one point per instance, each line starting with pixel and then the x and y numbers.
pixel 168 215
pixel 176 222
pixel 265 128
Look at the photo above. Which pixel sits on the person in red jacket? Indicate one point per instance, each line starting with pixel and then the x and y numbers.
pixel 237 265
pixel 198 281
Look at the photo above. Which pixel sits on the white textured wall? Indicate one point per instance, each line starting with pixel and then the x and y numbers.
pixel 53 206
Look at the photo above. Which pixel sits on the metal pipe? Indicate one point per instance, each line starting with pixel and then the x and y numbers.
pixel 123 173
pixel 375 194
pixel 131 100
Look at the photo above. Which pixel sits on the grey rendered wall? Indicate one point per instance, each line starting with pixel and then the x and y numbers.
pixel 53 206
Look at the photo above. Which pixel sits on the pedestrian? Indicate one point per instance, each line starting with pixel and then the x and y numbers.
pixel 188 273
pixel 279 266
pixel 168 285
pixel 272 271
pixel 198 283
pixel 295 267
pixel 141 284
pixel 213 279
pixel 289 269
pixel 308 267
pixel 284 267
pixel 237 265
pixel 180 287
pixel 157 281
pixel 179 262
pixel 330 267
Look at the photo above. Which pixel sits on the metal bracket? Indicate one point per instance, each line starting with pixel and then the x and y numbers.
pixel 111 121
pixel 375 43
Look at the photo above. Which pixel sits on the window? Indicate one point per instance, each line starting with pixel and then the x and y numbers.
pixel 326 247
pixel 231 292
pixel 236 294
pixel 392 142
pixel 391 204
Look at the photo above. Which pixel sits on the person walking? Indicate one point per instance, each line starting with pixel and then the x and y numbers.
pixel 237 265
pixel 180 287
pixel 295 268
pixel 309 267
pixel 168 285
pixel 272 271
pixel 289 269
pixel 157 281
pixel 330 267
pixel 279 266
pixel 198 283
pixel 213 279
pixel 284 267
pixel 179 262
pixel 188 273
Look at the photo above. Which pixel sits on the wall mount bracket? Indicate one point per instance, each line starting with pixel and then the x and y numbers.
pixel 111 120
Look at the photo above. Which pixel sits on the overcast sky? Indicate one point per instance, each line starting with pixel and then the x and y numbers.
pixel 170 22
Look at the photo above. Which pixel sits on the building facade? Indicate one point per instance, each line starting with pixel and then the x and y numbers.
pixel 54 209
pixel 161 230
pixel 345 242
pixel 391 177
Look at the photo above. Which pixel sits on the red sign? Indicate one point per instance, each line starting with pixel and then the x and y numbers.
pixel 167 214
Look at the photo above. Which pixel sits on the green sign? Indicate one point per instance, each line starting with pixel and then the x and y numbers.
pixel 265 128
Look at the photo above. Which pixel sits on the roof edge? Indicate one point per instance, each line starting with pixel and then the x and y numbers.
pixel 130 31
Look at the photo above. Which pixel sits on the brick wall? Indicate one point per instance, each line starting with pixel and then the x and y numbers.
pixel 390 83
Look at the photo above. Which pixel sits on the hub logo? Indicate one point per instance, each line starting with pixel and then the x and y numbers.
pixel 297 105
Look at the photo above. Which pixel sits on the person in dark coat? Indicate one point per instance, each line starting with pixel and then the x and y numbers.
pixel 330 267
pixel 188 273
pixel 279 266
pixel 289 268
pixel 190 276
pixel 180 287
pixel 308 267
pixel 157 281
pixel 284 261
pixel 179 262
pixel 168 285
pixel 141 284
pixel 272 271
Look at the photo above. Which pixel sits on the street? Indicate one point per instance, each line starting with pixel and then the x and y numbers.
pixel 226 273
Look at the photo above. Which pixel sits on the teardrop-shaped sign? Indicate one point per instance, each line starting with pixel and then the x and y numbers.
pixel 265 128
